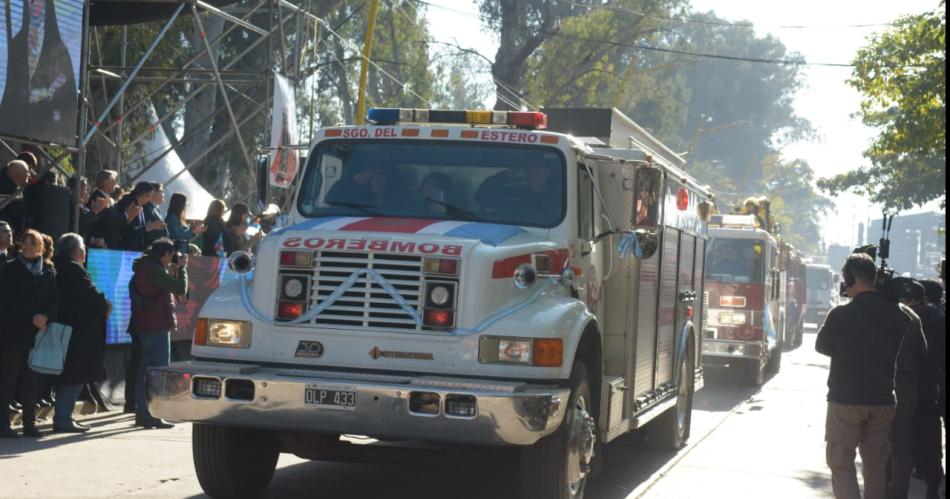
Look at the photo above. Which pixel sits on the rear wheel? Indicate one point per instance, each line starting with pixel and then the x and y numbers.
pixel 557 466
pixel 671 430
pixel 233 462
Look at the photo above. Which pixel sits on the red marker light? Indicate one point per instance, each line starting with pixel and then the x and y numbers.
pixel 289 311
pixel 439 318
pixel 689 312
pixel 682 199
pixel 528 120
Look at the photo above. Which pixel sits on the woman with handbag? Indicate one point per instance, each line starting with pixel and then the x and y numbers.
pixel 29 302
pixel 86 311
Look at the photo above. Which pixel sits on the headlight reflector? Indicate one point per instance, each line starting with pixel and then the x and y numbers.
pixel 514 351
pixel 526 275
pixel 232 334
pixel 439 295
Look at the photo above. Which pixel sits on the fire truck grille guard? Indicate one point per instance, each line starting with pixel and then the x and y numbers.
pixel 367 304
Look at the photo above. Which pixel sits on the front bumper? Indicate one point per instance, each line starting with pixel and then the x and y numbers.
pixel 512 413
pixel 730 349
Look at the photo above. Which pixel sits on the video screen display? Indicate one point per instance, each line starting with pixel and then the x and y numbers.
pixel 111 272
pixel 40 55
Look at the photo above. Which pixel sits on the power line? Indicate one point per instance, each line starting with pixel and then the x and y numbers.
pixel 651 48
pixel 725 24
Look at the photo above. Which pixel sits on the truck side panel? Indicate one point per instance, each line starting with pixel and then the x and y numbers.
pixel 646 324
pixel 666 317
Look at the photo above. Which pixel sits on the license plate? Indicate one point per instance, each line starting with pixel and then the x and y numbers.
pixel 340 399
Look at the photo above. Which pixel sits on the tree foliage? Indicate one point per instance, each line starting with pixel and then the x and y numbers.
pixel 901 76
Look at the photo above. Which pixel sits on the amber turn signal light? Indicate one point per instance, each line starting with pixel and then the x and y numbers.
pixel 548 353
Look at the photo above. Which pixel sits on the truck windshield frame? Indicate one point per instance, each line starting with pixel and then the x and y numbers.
pixel 440 180
pixel 736 260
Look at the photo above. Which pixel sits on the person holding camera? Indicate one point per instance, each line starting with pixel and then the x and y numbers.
pixel 159 275
pixel 863 338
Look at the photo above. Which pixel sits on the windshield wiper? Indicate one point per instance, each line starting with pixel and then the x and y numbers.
pixel 365 208
pixel 455 211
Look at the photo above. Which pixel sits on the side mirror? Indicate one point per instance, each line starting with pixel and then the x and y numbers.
pixel 642 244
pixel 647 197
pixel 263 182
pixel 649 242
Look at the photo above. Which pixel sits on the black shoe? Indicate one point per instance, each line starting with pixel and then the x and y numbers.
pixel 73 427
pixel 31 431
pixel 128 409
pixel 149 422
pixel 8 433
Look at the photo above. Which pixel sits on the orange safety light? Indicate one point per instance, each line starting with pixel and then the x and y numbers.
pixel 201 332
pixel 548 352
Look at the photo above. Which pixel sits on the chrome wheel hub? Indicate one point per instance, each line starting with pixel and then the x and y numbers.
pixel 580 444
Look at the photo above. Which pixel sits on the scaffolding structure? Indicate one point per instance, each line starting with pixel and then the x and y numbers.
pixel 267 22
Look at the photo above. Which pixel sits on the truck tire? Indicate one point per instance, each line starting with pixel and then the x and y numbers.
pixel 775 362
pixel 671 430
pixel 557 466
pixel 754 372
pixel 233 462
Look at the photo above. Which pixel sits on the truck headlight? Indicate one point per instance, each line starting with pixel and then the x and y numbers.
pixel 232 334
pixel 732 318
pixel 539 352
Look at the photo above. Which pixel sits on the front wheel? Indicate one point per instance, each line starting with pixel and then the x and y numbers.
pixel 233 462
pixel 754 372
pixel 557 466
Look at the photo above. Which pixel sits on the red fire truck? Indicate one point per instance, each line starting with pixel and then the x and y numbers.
pixel 746 289
pixel 793 262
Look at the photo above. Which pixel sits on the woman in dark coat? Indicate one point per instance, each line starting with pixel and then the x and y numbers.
pixel 214 229
pixel 28 303
pixel 86 311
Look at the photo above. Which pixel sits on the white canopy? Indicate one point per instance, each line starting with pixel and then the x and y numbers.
pixel 170 172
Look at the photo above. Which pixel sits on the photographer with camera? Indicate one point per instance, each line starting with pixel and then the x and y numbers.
pixel 159 276
pixel 863 338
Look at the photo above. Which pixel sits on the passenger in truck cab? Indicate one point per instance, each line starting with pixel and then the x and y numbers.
pixel 367 187
pixel 520 188
pixel 434 192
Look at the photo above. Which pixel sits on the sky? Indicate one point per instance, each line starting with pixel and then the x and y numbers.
pixel 827 101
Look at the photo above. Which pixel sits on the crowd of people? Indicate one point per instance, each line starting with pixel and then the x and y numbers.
pixel 887 383
pixel 43 270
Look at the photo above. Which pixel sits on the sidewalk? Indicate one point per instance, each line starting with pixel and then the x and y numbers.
pixel 771 446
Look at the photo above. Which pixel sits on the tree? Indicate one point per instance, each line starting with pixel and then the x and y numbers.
pixel 522 26
pixel 901 76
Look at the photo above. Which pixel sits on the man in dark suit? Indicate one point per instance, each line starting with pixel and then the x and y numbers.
pixel 14 177
pixel 40 93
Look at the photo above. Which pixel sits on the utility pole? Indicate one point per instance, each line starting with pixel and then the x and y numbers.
pixel 364 69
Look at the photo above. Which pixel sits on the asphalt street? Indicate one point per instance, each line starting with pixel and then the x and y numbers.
pixel 745 443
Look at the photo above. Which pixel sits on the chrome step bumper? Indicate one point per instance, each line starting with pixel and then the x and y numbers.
pixel 511 413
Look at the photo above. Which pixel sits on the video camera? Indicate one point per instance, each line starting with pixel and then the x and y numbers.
pixel 884 279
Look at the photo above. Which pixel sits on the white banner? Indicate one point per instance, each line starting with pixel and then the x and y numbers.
pixel 285 158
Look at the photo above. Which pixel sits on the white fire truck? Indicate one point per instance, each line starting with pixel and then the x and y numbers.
pixel 457 277
pixel 746 286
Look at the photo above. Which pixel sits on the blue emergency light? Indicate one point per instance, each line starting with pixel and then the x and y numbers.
pixel 520 119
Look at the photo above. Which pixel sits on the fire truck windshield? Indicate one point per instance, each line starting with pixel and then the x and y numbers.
pixel 735 260
pixel 513 185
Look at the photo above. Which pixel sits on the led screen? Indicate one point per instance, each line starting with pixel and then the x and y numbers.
pixel 111 272
pixel 40 49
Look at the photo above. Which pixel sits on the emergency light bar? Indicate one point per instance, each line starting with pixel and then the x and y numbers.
pixel 733 221
pixel 392 116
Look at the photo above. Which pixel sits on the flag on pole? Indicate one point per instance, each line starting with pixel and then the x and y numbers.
pixel 283 139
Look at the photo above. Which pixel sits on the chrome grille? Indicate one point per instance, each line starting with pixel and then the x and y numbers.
pixel 367 304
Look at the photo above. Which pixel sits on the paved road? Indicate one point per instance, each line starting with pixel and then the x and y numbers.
pixel 746 443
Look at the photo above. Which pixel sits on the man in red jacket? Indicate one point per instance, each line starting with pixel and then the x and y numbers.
pixel 159 276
